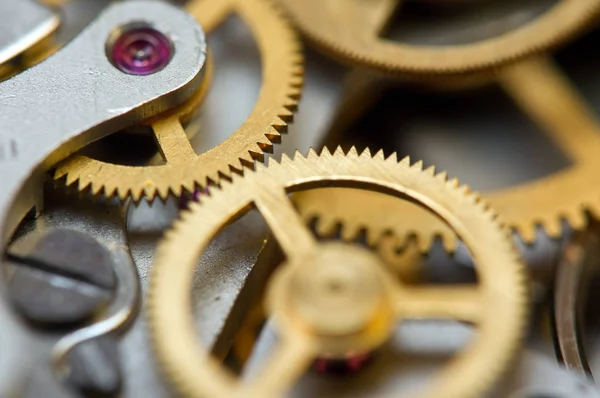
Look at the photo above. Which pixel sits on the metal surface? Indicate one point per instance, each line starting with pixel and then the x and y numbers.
pixel 49 353
pixel 184 359
pixel 223 270
pixel 80 82
pixel 25 23
pixel 183 169
pixel 577 262
pixel 62 277
pixel 95 368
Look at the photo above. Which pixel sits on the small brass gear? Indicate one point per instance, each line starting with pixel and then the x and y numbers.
pixel 350 29
pixel 335 297
pixel 184 170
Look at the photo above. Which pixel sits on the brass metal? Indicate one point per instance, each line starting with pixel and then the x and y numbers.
pixel 536 85
pixel 333 298
pixel 350 31
pixel 546 96
pixel 184 170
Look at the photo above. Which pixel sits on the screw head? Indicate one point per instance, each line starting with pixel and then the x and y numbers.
pixel 59 277
pixel 140 50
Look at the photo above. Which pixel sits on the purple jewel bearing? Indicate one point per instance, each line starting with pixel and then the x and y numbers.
pixel 141 50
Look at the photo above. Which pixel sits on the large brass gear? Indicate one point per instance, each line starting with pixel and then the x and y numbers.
pixel 334 297
pixel 550 100
pixel 184 170
pixel 350 31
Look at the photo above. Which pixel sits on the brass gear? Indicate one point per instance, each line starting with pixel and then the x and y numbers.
pixel 184 170
pixel 549 99
pixel 349 30
pixel 320 281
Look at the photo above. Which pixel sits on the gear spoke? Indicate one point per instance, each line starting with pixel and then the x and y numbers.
pixel 292 357
pixel 210 13
pixel 173 143
pixel 286 224
pixel 550 100
pixel 462 303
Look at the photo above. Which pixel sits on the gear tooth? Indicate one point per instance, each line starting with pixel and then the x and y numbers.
pixel 265 147
pixel 352 153
pixel 577 220
pixel 136 195
pixel 60 172
pixel 247 163
pixel 312 154
pixel 442 176
pixel 259 166
pixel 372 238
pixel 594 209
pixel 393 158
pixel 81 187
pixel 111 192
pixel 527 232
pixel 95 189
pixel 464 190
pixel 430 170
pixel 285 158
pixel 418 165
pixel 191 187
pixel 366 153
pixel 257 154
pixel 270 162
pixel 348 233
pixel 325 227
pixel 379 155
pixel 476 198
pixel 72 179
pixel 339 152
pixel 163 192
pixel 453 183
pixel 405 160
pixel 553 227
pixel 274 138
pixel 425 243
pixel 298 155
pixel 449 242
pixel 325 152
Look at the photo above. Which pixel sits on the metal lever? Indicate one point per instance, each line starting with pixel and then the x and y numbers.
pixel 78 96
pixel 25 23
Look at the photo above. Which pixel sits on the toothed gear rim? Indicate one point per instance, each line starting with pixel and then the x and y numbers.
pixel 282 79
pixel 334 26
pixel 569 195
pixel 503 286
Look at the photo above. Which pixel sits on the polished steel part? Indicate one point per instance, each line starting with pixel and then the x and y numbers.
pixel 576 265
pixel 105 224
pixel 25 23
pixel 55 108
pixel 497 305
pixel 59 277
